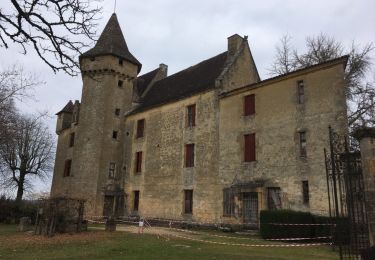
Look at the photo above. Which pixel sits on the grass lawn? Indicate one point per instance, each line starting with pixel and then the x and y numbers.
pixel 97 244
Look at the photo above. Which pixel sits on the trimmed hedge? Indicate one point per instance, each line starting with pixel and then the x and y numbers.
pixel 269 231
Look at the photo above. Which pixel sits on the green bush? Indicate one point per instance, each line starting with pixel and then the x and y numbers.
pixel 270 231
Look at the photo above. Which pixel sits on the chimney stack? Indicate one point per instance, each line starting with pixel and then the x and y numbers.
pixel 234 43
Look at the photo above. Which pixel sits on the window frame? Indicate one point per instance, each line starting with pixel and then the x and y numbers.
pixel 228 202
pixel 301 92
pixel 138 162
pixel 189 155
pixel 67 168
pixel 112 170
pixel 249 147
pixel 188 201
pixel 140 131
pixel 71 139
pixel 302 139
pixel 249 105
pixel 117 111
pixel 120 83
pixel 114 135
pixel 191 113
pixel 305 192
pixel 136 194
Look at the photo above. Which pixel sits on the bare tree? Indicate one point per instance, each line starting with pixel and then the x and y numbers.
pixel 283 62
pixel 55 29
pixel 360 92
pixel 27 151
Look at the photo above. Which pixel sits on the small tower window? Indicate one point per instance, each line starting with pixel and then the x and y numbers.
pixel 120 62
pixel 71 140
pixel 112 170
pixel 114 134
pixel 67 168
pixel 302 144
pixel 117 111
pixel 120 83
pixel 305 192
pixel 300 92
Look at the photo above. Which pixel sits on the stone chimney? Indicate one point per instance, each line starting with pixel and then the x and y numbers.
pixel 234 43
pixel 163 70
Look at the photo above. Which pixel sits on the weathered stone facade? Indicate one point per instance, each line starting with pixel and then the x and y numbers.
pixel 104 166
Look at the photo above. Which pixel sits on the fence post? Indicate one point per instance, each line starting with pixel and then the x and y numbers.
pixel 366 137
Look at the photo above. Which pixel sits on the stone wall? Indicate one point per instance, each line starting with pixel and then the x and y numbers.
pixel 276 123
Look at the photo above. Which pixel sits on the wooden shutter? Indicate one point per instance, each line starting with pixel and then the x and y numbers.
pixel 249 105
pixel 249 147
pixel 189 155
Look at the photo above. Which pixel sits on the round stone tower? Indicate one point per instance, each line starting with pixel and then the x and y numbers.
pixel 108 72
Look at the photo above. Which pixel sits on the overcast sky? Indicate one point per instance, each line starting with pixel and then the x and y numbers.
pixel 183 33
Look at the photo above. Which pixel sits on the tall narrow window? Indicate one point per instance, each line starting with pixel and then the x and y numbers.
pixel 117 111
pixel 120 62
pixel 120 83
pixel 188 202
pixel 138 162
pixel 71 140
pixel 249 105
pixel 274 198
pixel 191 115
pixel 67 168
pixel 302 144
pixel 136 200
pixel 189 155
pixel 305 192
pixel 140 128
pixel 228 202
pixel 249 151
pixel 300 92
pixel 112 170
pixel 114 134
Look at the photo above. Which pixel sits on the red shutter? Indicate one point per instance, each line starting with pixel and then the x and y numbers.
pixel 249 147
pixel 249 105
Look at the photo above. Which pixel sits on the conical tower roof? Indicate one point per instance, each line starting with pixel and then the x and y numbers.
pixel 112 42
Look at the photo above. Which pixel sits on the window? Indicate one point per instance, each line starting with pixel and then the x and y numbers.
pixel 120 83
pixel 302 144
pixel 305 192
pixel 228 202
pixel 138 162
pixel 188 202
pixel 189 155
pixel 191 115
pixel 67 167
pixel 120 62
pixel 112 170
pixel 300 92
pixel 92 58
pixel 140 128
pixel 114 134
pixel 117 111
pixel 274 198
pixel 71 140
pixel 249 105
pixel 136 200
pixel 249 155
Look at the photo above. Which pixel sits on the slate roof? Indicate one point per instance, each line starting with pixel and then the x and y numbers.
pixel 67 109
pixel 193 80
pixel 144 80
pixel 112 42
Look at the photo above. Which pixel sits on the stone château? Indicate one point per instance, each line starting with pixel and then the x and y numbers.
pixel 212 143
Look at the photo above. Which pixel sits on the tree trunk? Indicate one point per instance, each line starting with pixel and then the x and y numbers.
pixel 20 188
